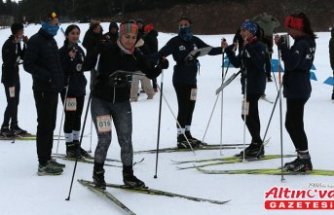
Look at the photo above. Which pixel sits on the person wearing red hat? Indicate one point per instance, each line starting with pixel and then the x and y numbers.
pixel 110 99
pixel 298 60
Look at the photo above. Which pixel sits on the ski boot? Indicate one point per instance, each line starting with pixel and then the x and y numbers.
pixel 6 132
pixel 130 180
pixel 301 164
pixel 72 151
pixel 193 139
pixel 253 151
pixel 98 177
pixel 182 143
pixel 83 152
pixel 18 131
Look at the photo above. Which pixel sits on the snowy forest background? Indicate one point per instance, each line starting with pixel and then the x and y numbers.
pixel 209 16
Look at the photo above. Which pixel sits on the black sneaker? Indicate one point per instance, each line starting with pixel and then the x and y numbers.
pixel 254 150
pixel 17 130
pixel 55 163
pixel 301 164
pixel 72 151
pixel 98 178
pixel 6 132
pixel 182 143
pixel 49 169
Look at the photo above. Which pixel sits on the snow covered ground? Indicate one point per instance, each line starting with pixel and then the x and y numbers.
pixel 23 192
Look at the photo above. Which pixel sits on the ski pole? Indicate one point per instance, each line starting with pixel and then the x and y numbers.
pixel 280 114
pixel 214 105
pixel 63 113
pixel 91 136
pixel 159 123
pixel 82 132
pixel 222 102
pixel 245 113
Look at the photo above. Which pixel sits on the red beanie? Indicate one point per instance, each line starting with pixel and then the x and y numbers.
pixel 294 23
pixel 148 28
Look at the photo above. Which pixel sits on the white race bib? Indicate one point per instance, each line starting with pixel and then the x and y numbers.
pixel 103 123
pixel 12 92
pixel 244 108
pixel 193 94
pixel 71 104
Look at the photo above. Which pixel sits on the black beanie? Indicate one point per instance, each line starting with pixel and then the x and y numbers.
pixel 113 25
pixel 16 27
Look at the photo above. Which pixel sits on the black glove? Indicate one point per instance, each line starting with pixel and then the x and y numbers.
pixel 163 63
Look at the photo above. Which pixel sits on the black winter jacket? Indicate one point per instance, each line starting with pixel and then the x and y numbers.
pixel 42 61
pixel 331 50
pixel 73 70
pixel 251 61
pixel 11 57
pixel 114 72
pixel 298 61
pixel 185 72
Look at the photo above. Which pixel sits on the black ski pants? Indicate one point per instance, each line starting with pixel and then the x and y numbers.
pixel 186 104
pixel 46 105
pixel 10 114
pixel 253 119
pixel 294 123
pixel 73 118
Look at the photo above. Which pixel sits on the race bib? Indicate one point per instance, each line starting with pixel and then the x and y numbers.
pixel 244 108
pixel 193 94
pixel 71 104
pixel 12 92
pixel 103 123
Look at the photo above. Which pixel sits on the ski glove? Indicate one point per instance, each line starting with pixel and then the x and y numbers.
pixel 163 63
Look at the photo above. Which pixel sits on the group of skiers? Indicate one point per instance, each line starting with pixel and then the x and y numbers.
pixel 131 49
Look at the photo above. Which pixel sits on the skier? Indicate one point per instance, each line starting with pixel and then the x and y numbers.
pixel 151 42
pixel 112 35
pixel 331 54
pixel 12 56
pixel 185 49
pixel 73 95
pixel 251 60
pixel 297 85
pixel 145 82
pixel 42 61
pixel 91 40
pixel 110 99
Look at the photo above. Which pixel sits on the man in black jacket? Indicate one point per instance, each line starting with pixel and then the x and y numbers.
pixel 11 56
pixel 43 63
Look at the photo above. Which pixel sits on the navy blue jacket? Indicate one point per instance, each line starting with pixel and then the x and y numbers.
pixel 114 78
pixel 73 70
pixel 42 61
pixel 185 72
pixel 251 61
pixel 11 56
pixel 298 61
